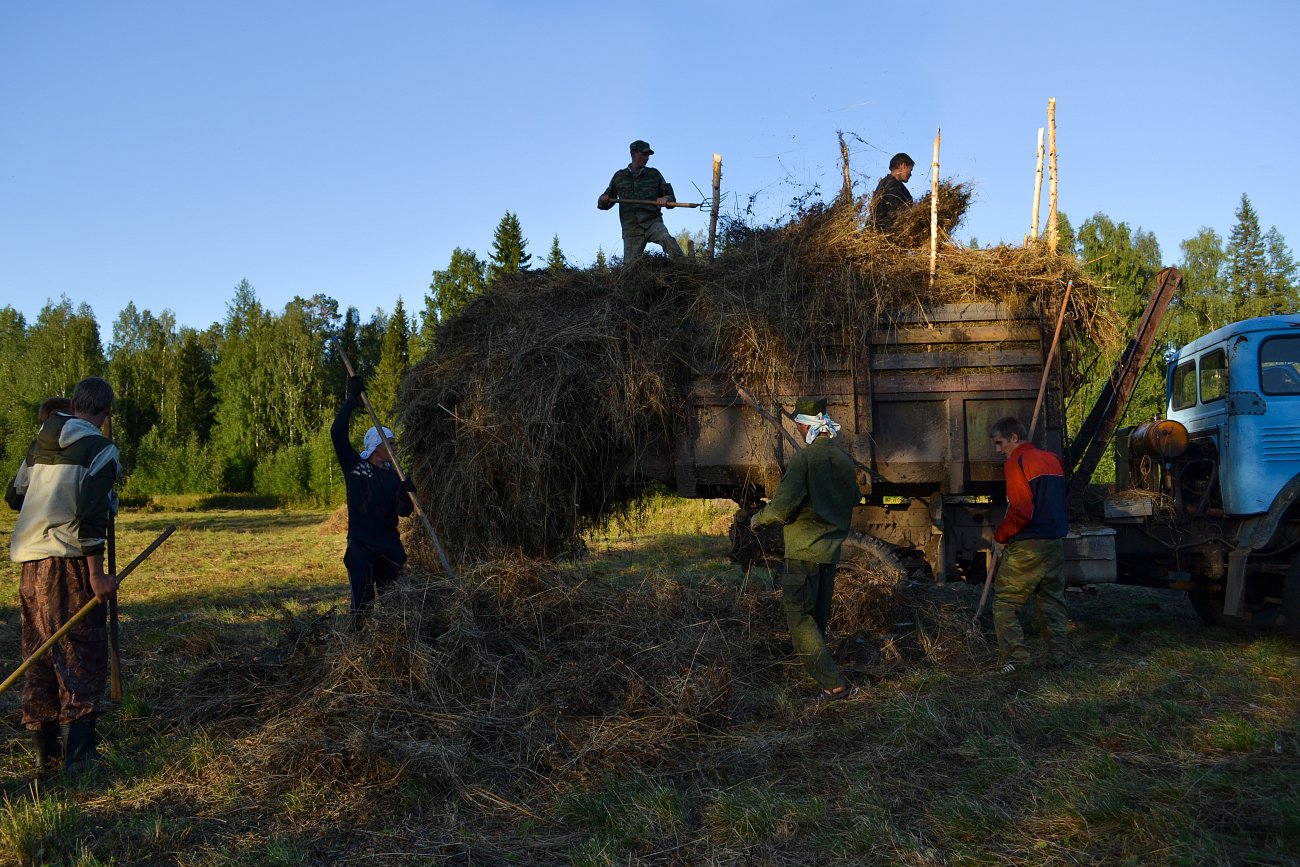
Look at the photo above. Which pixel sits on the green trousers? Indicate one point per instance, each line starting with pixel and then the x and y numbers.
pixel 1031 569
pixel 806 589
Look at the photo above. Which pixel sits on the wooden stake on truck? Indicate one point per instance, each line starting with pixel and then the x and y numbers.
pixel 1053 235
pixel 934 210
pixel 1038 186
pixel 713 204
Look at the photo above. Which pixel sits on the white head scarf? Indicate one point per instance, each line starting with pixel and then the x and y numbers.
pixel 374 440
pixel 818 424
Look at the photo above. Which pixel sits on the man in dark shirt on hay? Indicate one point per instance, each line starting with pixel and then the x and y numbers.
pixel 891 195
pixel 64 494
pixel 815 502
pixel 1033 533
pixel 642 224
pixel 376 499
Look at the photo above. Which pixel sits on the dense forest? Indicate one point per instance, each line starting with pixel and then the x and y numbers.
pixel 244 405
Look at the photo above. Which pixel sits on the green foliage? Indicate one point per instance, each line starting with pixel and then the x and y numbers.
pixel 509 249
pixel 163 467
pixel 196 399
pixel 394 358
pixel 1281 279
pixel 601 264
pixel 449 292
pixel 555 260
pixel 1248 263
pixel 285 474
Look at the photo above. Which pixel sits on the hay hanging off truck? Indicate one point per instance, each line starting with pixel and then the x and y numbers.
pixel 550 400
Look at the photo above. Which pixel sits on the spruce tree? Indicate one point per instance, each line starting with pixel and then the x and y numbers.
pixel 1248 263
pixel 509 249
pixel 394 358
pixel 555 261
pixel 1281 274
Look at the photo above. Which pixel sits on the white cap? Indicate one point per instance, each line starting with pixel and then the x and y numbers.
pixel 373 441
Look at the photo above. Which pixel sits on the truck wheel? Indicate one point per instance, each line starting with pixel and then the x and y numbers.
pixel 868 552
pixel 1209 607
pixel 1291 600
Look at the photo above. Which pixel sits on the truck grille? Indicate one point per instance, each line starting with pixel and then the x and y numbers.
pixel 1280 444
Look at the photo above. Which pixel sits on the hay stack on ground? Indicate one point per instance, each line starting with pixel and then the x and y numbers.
pixel 534 399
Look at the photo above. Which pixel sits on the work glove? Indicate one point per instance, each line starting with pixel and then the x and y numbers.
pixel 356 385
pixel 408 485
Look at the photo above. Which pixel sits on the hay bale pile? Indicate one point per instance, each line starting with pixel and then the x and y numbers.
pixel 541 391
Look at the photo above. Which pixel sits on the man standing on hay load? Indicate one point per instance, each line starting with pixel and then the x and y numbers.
pixel 376 499
pixel 64 496
pixel 642 223
pixel 815 502
pixel 1033 533
pixel 891 195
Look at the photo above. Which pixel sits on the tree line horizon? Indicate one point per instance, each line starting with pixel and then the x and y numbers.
pixel 245 404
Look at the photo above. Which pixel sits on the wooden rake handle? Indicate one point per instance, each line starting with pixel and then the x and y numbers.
pixel 81 615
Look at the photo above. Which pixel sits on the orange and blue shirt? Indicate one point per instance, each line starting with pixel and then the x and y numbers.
pixel 1036 506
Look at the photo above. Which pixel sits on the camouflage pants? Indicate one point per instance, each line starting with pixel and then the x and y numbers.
pixel 1031 569
pixel 68 681
pixel 635 239
pixel 806 590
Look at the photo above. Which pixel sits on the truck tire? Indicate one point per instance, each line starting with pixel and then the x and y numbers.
pixel 1291 600
pixel 868 552
pixel 1209 607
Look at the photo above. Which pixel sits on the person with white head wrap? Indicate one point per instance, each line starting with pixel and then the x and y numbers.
pixel 376 499
pixel 815 503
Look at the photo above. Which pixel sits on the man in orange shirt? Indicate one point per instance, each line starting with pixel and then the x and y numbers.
pixel 1033 534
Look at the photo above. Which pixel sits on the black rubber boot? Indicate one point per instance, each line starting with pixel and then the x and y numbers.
pixel 45 740
pixel 79 744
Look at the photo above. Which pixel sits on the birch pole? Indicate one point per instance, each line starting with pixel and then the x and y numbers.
pixel 934 210
pixel 713 207
pixel 846 191
pixel 1038 186
pixel 1052 233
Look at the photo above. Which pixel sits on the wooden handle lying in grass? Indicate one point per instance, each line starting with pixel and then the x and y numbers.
pixel 80 615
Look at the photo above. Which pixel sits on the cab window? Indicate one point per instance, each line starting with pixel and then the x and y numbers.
pixel 1279 365
pixel 1214 375
pixel 1184 390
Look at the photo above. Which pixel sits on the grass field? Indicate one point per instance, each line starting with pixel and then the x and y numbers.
pixel 640 706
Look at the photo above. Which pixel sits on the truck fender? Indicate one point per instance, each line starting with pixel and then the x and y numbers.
pixel 1254 534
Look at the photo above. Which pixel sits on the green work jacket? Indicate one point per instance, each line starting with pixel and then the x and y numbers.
pixel 815 501
pixel 646 184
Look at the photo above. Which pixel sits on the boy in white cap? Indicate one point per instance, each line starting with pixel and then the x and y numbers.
pixel 376 499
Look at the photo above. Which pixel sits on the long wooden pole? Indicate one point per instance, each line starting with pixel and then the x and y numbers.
pixel 1051 356
pixel 1047 368
pixel 713 207
pixel 846 191
pixel 934 210
pixel 114 630
pixel 392 451
pixel 81 614
pixel 1038 186
pixel 1053 235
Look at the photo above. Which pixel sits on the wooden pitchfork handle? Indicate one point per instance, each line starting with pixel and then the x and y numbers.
pixel 392 452
pixel 988 582
pixel 656 204
pixel 80 615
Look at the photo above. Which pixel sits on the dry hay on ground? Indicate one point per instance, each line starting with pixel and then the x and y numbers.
pixel 337 522
pixel 526 679
pixel 540 395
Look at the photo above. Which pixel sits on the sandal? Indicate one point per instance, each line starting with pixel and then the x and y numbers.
pixel 829 695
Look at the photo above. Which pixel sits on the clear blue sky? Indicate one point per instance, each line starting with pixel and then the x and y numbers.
pixel 159 152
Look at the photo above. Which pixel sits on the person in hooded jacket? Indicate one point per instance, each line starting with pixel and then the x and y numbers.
pixel 64 495
pixel 376 499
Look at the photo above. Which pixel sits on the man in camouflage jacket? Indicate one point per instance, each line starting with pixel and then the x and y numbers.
pixel 642 224
pixel 64 494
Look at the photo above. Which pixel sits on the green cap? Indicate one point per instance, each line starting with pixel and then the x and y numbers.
pixel 640 147
pixel 810 405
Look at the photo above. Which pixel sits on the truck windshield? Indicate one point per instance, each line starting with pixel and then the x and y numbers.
pixel 1279 365
pixel 1184 390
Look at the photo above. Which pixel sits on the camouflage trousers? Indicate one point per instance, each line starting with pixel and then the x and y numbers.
pixel 635 239
pixel 806 590
pixel 1031 569
pixel 66 683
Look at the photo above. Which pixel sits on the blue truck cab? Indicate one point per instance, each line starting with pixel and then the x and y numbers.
pixel 1237 391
